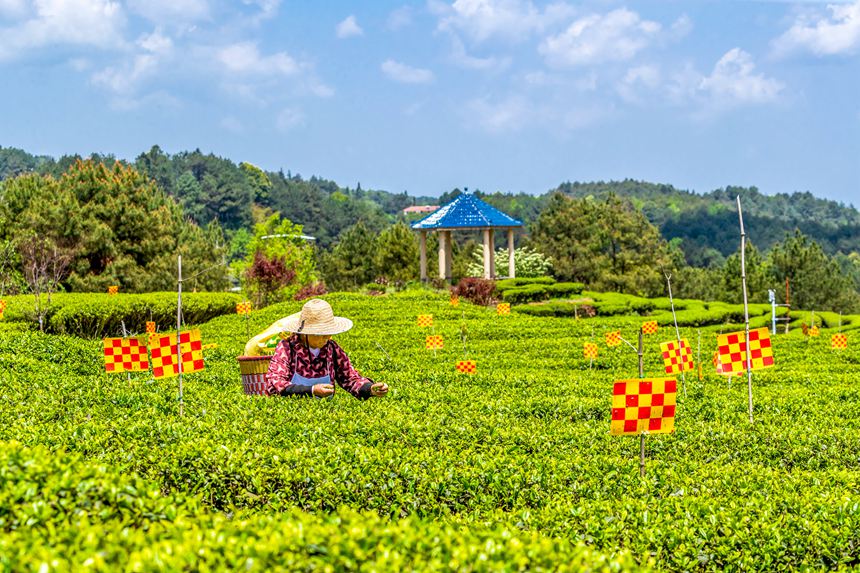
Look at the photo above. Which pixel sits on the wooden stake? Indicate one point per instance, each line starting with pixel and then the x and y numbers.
pixel 746 309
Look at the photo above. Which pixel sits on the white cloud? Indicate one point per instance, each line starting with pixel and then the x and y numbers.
pixel 510 114
pixel 96 23
pixel 156 43
pixel 268 8
pixel 13 8
pixel 125 78
pixel 512 20
pixel 400 18
pixel 465 60
pixel 639 81
pixel 733 81
pixel 822 35
pixel 681 27
pixel 516 113
pixel 406 74
pixel 349 28
pixel 245 58
pixel 616 36
pixel 288 119
pixel 166 12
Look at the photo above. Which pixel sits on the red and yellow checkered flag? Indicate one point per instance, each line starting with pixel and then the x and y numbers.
pixel 589 350
pixel 467 367
pixel 191 348
pixel 243 307
pixel 165 358
pixel 643 405
pixel 455 300
pixel 125 355
pixel 113 289
pixel 434 342
pixel 164 353
pixel 2 307
pixel 813 330
pixel 733 352
pixel 650 327
pixel 425 320
pixel 677 359
pixel 716 360
pixel 503 308
pixel 839 341
pixel 150 327
pixel 613 338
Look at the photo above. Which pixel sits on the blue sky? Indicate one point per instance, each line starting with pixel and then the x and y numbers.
pixel 497 95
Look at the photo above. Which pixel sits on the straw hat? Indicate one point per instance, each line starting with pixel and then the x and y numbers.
pixel 316 318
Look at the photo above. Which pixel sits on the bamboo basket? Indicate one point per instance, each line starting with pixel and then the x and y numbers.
pixel 253 371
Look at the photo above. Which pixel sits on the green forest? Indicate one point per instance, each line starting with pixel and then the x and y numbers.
pixel 82 224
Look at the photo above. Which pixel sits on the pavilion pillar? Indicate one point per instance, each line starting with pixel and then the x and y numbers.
pixel 422 244
pixel 449 254
pixel 489 258
pixel 511 267
pixel 445 255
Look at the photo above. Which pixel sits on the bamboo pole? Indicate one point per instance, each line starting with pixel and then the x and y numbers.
pixel 178 344
pixel 642 435
pixel 746 309
pixel 125 335
pixel 677 331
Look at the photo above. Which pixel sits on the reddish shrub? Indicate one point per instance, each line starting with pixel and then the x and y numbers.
pixel 311 290
pixel 479 291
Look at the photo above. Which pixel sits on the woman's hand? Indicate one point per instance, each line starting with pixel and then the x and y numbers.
pixel 379 389
pixel 323 390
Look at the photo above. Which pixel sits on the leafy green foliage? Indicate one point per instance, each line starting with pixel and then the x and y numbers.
pixel 117 226
pixel 100 315
pixel 396 254
pixel 608 245
pixel 278 263
pixel 509 469
pixel 527 263
pixel 816 280
pixel 350 264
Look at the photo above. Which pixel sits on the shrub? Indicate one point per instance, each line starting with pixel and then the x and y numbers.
pixel 98 315
pixel 565 289
pixel 526 293
pixel 479 291
pixel 310 291
pixel 506 284
pixel 527 262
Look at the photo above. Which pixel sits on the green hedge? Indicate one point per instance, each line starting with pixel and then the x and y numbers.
pixel 100 315
pixel 62 510
pixel 535 292
pixel 506 284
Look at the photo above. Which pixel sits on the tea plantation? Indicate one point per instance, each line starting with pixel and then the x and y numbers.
pixel 512 468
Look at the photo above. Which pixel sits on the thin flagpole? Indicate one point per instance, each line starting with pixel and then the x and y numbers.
pixel 746 309
pixel 677 332
pixel 178 344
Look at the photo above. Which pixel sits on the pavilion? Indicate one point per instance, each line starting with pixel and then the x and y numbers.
pixel 466 213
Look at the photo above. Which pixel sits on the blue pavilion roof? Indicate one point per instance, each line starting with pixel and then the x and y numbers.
pixel 466 212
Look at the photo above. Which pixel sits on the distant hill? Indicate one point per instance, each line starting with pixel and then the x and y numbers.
pixel 704 225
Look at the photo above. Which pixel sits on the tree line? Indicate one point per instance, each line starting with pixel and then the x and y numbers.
pixel 115 222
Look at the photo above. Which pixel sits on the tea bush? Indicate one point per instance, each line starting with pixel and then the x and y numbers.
pixel 509 469
pixel 99 315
